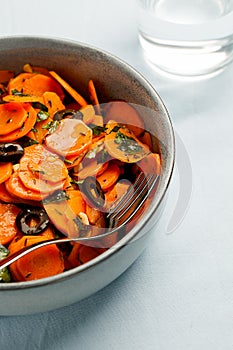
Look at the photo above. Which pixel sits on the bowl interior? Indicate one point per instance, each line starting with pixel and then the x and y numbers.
pixel 114 80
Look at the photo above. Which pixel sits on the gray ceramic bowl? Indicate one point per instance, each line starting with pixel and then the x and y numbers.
pixel 78 63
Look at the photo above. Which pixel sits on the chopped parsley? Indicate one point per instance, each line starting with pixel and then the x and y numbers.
pixel 92 153
pixel 57 196
pixel 116 128
pixel 18 93
pixel 42 115
pixel 34 130
pixel 4 273
pixel 51 126
pixel 97 129
pixel 68 161
pixel 82 228
pixel 127 144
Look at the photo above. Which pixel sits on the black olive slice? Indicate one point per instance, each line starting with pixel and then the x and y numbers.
pixel 67 113
pixel 10 152
pixel 92 190
pixel 24 217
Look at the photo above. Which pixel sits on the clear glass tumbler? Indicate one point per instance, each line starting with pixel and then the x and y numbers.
pixel 186 37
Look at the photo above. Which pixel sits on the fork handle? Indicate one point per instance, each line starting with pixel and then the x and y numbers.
pixel 26 250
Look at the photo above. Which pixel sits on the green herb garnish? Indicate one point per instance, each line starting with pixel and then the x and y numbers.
pixel 92 153
pixel 42 115
pixel 34 130
pixel 127 144
pixel 68 161
pixel 82 228
pixel 15 92
pixel 4 273
pixel 97 129
pixel 51 126
pixel 116 128
pixel 57 196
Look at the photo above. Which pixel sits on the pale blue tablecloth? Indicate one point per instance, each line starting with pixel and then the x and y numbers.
pixel 178 294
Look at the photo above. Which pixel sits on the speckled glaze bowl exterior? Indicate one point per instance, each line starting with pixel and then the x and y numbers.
pixel 114 79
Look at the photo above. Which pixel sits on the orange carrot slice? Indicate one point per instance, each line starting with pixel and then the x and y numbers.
pixel 34 152
pixel 124 113
pixel 87 253
pixel 5 171
pixel 50 168
pixel 92 169
pixel 150 164
pixel 25 128
pixel 41 175
pixel 53 102
pixel 5 195
pixel 15 187
pixel 109 177
pixel 17 83
pixel 8 229
pixel 62 216
pixel 76 96
pixel 93 96
pixel 30 182
pixel 71 137
pixel 76 201
pixel 40 170
pixel 38 84
pixel 74 161
pixel 122 144
pixel 12 117
pixel 115 193
pixel 43 262
pixel 88 113
pixel 98 120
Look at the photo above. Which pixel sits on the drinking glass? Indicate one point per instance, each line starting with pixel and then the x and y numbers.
pixel 186 37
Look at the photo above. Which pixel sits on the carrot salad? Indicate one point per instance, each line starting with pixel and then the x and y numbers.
pixel 65 159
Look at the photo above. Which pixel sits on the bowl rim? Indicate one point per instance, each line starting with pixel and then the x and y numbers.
pixel 130 70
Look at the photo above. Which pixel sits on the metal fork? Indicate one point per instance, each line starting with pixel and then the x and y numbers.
pixel 118 216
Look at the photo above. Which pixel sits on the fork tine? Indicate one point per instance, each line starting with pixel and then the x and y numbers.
pixel 126 198
pixel 140 194
pixel 137 187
